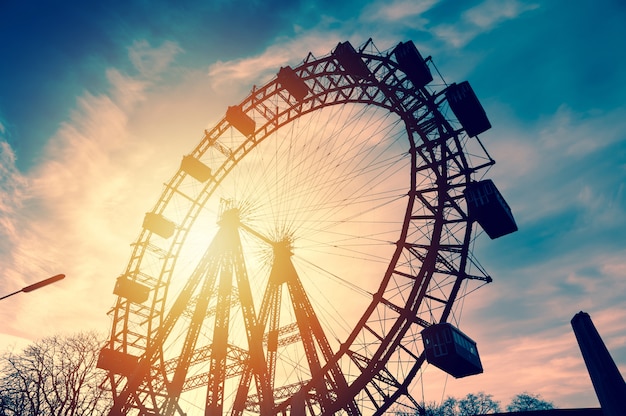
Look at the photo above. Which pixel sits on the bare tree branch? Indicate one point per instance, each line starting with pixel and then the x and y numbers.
pixel 54 376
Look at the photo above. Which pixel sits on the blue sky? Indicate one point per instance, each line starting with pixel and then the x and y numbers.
pixel 98 102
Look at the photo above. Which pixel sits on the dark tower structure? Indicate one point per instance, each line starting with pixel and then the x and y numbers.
pixel 605 377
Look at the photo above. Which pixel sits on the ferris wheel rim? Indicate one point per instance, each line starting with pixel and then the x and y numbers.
pixel 253 102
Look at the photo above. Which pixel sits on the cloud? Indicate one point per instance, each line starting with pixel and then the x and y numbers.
pixel 226 73
pixel 551 364
pixel 12 188
pixel 78 210
pixel 66 223
pixel 403 12
pixel 149 61
pixel 378 21
pixel 259 68
pixel 576 135
pixel 480 19
pixel 125 91
pixel 491 12
pixel 565 162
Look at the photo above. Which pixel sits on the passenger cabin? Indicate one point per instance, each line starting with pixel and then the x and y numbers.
pixel 289 80
pixel 240 120
pixel 412 64
pixel 117 362
pixel 450 350
pixel 131 290
pixel 158 224
pixel 486 205
pixel 195 168
pixel 350 60
pixel 467 108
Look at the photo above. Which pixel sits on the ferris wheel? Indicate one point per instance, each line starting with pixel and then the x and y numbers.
pixel 308 255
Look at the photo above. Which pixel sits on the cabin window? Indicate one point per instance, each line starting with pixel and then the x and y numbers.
pixel 440 346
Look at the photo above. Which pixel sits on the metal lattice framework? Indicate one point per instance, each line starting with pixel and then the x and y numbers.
pixel 376 179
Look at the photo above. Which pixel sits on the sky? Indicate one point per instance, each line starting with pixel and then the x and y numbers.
pixel 99 101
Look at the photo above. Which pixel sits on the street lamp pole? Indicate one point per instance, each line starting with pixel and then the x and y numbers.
pixel 37 285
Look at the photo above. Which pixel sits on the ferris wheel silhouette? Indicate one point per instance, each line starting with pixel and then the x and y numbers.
pixel 308 254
